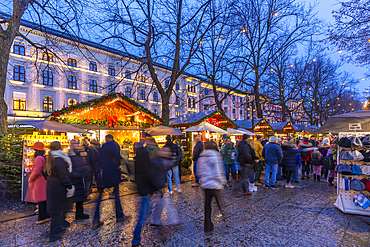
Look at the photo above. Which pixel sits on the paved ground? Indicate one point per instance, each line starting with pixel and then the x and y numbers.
pixel 304 216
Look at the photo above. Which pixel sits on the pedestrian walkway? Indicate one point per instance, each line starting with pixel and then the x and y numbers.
pixel 303 216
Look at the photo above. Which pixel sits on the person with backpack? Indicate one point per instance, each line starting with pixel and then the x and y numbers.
pixel 228 154
pixel 175 157
pixel 305 157
pixel 316 160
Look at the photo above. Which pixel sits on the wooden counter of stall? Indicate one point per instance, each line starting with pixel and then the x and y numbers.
pixel 261 126
pixel 113 114
pixel 214 117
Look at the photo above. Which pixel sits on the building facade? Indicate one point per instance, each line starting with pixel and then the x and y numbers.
pixel 76 71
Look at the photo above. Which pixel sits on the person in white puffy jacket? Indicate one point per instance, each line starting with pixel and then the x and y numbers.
pixel 212 180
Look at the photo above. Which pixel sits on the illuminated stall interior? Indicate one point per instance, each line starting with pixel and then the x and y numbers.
pixel 113 114
pixel 283 129
pixel 261 126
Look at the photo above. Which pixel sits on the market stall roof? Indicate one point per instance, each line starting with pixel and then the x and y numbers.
pixel 341 122
pixel 279 126
pixel 108 111
pixel 215 117
pixel 260 125
pixel 304 127
pixel 205 126
pixel 52 125
pixel 239 131
pixel 163 130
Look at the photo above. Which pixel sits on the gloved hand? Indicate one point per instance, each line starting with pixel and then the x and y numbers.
pixel 70 192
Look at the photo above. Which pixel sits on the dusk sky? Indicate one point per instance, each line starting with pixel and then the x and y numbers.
pixel 325 8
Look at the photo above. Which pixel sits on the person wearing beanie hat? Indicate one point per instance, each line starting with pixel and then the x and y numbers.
pixel 36 191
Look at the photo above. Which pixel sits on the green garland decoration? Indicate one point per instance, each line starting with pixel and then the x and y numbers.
pixel 104 98
pixel 213 114
pixel 98 122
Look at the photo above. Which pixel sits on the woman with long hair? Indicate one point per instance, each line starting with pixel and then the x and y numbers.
pixel 59 189
pixel 36 191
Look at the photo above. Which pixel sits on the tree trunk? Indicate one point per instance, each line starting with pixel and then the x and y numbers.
pixel 257 101
pixel 6 41
pixel 283 112
pixel 165 109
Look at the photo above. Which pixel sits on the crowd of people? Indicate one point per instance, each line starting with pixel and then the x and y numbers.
pixel 61 179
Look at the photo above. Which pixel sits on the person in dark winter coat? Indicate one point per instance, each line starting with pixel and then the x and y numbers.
pixel 246 158
pixel 109 160
pixel 58 167
pixel 273 156
pixel 90 162
pixel 150 178
pixel 95 148
pixel 289 162
pixel 174 171
pixel 80 174
pixel 198 148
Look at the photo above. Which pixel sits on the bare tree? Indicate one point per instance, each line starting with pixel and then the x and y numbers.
pixel 351 30
pixel 166 32
pixel 270 27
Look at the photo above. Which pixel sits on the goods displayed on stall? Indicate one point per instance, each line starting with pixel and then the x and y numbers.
pixel 353 160
pixel 159 133
pixel 261 126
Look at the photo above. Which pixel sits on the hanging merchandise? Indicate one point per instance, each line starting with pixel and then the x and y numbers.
pixel 344 142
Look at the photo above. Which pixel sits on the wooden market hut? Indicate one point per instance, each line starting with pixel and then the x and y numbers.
pixel 113 113
pixel 283 128
pixel 261 126
pixel 214 117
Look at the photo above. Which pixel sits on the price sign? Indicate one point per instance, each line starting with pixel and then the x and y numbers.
pixel 355 126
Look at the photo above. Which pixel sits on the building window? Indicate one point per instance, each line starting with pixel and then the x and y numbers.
pixel 142 78
pixel 155 111
pixel 166 84
pixel 177 86
pixel 93 86
pixel 93 66
pixel 206 107
pixel 241 100
pixel 47 78
pixel 47 104
pixel 234 98
pixel 177 114
pixel 241 113
pixel 193 103
pixel 194 89
pixel 128 91
pixel 111 70
pixel 142 94
pixel 128 74
pixel 189 103
pixel 47 56
pixel 18 48
pixel 234 113
pixel 155 96
pixel 19 101
pixel 226 110
pixel 72 62
pixel 72 82
pixel 206 91
pixel 112 88
pixel 18 73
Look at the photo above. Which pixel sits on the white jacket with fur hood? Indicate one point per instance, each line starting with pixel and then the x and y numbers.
pixel 210 170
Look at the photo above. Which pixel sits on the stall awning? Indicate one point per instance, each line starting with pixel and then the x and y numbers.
pixel 341 123
pixel 204 127
pixel 163 130
pixel 239 131
pixel 52 125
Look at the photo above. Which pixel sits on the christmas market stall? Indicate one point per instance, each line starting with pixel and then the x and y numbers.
pixel 353 162
pixel 159 133
pixel 215 117
pixel 45 131
pixel 113 114
pixel 261 126
pixel 283 129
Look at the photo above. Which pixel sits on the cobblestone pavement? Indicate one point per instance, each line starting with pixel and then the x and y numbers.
pixel 303 216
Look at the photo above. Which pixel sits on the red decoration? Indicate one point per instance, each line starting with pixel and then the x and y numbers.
pixel 88 121
pixel 120 95
pixel 108 97
pixel 161 120
pixel 56 114
pixel 213 121
pixel 130 99
pixel 112 121
pixel 69 108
